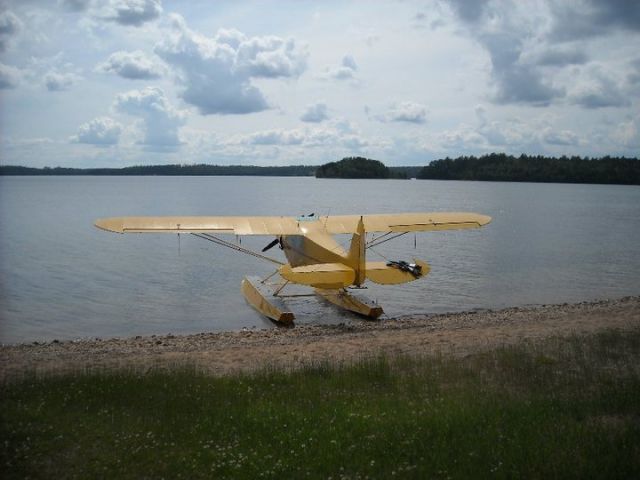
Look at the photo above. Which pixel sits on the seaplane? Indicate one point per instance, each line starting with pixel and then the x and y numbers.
pixel 314 257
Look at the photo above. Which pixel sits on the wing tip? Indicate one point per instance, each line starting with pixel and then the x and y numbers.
pixel 112 224
pixel 484 220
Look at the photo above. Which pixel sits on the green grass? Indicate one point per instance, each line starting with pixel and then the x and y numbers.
pixel 566 408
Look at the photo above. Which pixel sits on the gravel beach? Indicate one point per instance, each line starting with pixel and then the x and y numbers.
pixel 228 352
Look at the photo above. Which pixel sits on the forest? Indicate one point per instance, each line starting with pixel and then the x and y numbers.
pixel 507 168
pixel 357 167
pixel 498 167
pixel 194 170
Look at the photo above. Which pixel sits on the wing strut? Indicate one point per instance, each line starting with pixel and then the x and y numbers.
pixel 381 239
pixel 238 248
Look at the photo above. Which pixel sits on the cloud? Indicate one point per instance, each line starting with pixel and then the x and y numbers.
pixel 133 12
pixel 599 91
pixel 470 11
pixel 315 113
pixel 501 31
pixel 10 25
pixel 270 57
pixel 132 65
pixel 522 46
pixel 99 131
pixel 405 112
pixel 75 5
pixel 628 133
pixel 345 71
pixel 9 76
pixel 56 82
pixel 277 137
pixel 557 57
pixel 589 18
pixel 496 133
pixel 462 139
pixel 216 72
pixel 515 80
pixel 560 137
pixel 523 84
pixel 336 134
pixel 160 120
pixel 633 77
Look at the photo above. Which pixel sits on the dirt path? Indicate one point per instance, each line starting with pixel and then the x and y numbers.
pixel 226 352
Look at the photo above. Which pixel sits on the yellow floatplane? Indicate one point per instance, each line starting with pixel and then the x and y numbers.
pixel 314 257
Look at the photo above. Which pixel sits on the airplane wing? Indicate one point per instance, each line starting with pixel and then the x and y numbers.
pixel 402 222
pixel 231 225
pixel 406 222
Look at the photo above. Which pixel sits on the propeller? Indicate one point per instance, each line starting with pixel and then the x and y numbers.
pixel 271 244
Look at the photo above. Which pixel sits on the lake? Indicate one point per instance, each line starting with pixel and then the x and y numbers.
pixel 61 278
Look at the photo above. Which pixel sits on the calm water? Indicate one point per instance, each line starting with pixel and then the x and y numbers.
pixel 62 278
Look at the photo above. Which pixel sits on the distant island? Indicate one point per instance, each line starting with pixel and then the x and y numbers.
pixel 357 167
pixel 498 167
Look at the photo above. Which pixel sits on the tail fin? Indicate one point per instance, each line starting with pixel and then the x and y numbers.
pixel 356 256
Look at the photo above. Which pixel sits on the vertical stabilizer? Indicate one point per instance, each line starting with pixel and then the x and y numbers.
pixel 356 256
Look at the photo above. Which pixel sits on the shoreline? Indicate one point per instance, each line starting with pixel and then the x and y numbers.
pixel 223 353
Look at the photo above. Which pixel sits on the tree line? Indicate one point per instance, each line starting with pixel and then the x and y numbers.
pixel 492 167
pixel 525 168
pixel 188 170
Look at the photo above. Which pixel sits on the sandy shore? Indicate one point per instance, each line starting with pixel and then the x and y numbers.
pixel 226 352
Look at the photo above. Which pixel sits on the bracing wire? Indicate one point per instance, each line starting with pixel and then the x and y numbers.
pixel 238 248
pixel 378 253
pixel 381 239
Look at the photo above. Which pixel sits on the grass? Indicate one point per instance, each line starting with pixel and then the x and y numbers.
pixel 565 408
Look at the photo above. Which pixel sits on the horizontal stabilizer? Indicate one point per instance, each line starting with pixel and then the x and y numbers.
pixel 390 273
pixel 322 275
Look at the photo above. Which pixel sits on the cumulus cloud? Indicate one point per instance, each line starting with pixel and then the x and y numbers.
pixel 315 113
pixel 469 10
pixel 345 71
pixel 336 134
pixel 405 112
pixel 628 133
pixel 10 25
pixel 515 80
pixel 277 137
pixel 75 5
pixel 599 90
pixel 462 139
pixel 560 137
pixel 99 131
pixel 161 121
pixel 496 133
pixel 500 30
pixel 559 57
pixel 521 47
pixel 589 18
pixel 633 77
pixel 216 72
pixel 132 65
pixel 56 82
pixel 133 12
pixel 9 76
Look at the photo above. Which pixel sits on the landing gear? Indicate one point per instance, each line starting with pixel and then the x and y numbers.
pixel 267 299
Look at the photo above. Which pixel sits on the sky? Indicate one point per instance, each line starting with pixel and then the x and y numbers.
pixel 113 83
